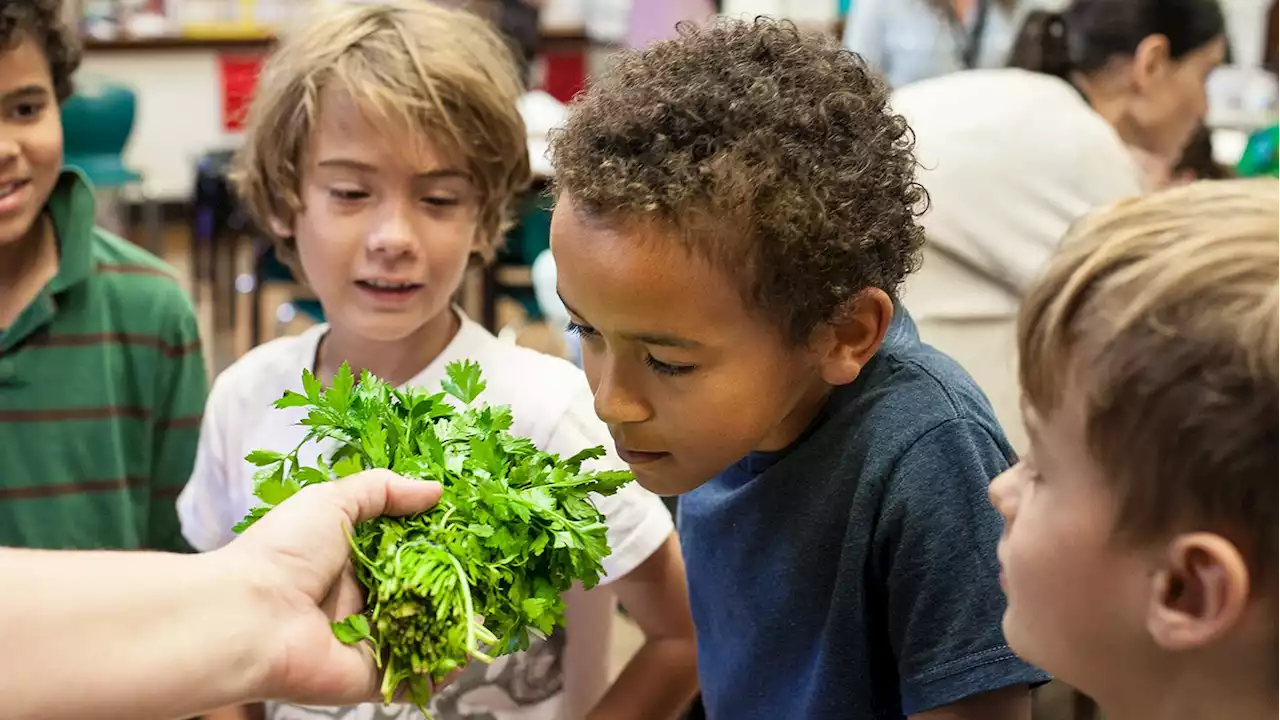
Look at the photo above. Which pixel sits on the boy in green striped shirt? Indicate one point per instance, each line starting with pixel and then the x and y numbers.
pixel 102 381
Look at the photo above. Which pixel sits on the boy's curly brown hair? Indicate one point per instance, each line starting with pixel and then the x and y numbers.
pixel 768 150
pixel 41 21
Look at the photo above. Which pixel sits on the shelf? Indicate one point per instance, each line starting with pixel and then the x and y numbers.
pixel 178 42
pixel 551 40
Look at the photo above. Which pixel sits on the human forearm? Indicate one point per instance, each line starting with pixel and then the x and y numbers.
pixel 104 634
pixel 657 684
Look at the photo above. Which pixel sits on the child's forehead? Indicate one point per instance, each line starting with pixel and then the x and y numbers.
pixel 370 126
pixel 23 64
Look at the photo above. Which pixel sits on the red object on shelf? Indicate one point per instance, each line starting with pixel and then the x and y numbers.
pixel 565 74
pixel 239 80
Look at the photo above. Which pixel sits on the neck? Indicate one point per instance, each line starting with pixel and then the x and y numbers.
pixel 1109 102
pixel 26 266
pixel 1193 694
pixel 394 361
pixel 808 404
pixel 17 259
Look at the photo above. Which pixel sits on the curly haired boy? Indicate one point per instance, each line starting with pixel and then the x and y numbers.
pixel 735 211
pixel 102 380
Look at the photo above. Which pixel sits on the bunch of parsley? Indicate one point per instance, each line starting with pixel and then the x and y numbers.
pixel 478 574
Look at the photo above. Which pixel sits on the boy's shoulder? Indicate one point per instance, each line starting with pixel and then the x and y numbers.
pixel 263 374
pixel 136 282
pixel 910 393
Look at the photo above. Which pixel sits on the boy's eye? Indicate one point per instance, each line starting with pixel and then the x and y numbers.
pixel 347 194
pixel 666 368
pixel 440 201
pixel 580 330
pixel 26 111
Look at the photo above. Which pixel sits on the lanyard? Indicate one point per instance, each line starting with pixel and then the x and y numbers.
pixel 969 42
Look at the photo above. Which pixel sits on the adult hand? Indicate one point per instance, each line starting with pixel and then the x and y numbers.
pixel 297 558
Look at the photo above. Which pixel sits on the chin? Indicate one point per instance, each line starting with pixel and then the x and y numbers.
pixel 389 327
pixel 665 484
pixel 13 231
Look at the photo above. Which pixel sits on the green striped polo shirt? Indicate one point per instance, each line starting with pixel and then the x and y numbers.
pixel 102 384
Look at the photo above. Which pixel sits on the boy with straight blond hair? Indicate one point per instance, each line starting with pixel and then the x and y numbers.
pixel 1139 552
pixel 383 153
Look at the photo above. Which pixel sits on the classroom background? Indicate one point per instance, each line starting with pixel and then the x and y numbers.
pixel 164 85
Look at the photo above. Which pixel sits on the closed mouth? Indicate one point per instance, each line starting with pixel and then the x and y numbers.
pixel 632 457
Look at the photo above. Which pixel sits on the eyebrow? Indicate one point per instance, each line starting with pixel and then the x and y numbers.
pixel 364 167
pixel 27 91
pixel 657 339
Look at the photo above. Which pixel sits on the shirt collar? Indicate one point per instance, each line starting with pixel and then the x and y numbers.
pixel 72 207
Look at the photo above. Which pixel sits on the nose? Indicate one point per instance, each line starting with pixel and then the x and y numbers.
pixel 392 235
pixel 617 401
pixel 1003 493
pixel 8 150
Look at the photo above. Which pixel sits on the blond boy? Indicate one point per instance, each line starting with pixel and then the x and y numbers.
pixel 1139 553
pixel 383 152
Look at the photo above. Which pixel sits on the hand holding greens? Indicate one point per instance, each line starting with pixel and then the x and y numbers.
pixel 476 576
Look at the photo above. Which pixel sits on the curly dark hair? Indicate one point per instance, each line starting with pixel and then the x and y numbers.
pixel 41 21
pixel 768 150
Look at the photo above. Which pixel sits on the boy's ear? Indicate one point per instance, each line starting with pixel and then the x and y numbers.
pixel 280 228
pixel 1199 594
pixel 849 341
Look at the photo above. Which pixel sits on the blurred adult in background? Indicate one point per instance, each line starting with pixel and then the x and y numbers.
pixel 1100 104
pixel 910 40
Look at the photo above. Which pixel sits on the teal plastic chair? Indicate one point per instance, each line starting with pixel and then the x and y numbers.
pixel 1261 156
pixel 97 121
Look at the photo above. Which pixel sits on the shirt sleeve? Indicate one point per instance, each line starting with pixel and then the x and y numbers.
pixel 182 386
pixel 203 507
pixel 638 520
pixel 936 545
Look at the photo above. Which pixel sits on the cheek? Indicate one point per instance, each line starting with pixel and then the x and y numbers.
pixel 43 149
pixel 328 248
pixel 448 248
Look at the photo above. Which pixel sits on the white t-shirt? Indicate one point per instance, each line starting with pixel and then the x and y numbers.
pixel 551 404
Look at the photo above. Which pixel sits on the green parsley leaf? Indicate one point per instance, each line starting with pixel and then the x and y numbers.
pixel 352 630
pixel 262 458
pixel 464 381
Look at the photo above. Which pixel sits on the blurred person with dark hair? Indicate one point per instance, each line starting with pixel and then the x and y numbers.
pixel 1101 101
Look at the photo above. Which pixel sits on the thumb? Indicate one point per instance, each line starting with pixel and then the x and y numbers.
pixel 369 494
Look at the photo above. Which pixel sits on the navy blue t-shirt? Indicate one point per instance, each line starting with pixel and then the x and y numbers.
pixel 854 575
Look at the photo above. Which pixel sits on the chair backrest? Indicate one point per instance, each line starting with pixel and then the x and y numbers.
pixel 1261 157
pixel 97 121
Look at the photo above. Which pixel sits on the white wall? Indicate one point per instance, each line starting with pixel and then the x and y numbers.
pixel 179 113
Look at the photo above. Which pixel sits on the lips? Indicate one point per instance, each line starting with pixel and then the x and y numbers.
pixel 389 285
pixel 13 195
pixel 392 295
pixel 640 457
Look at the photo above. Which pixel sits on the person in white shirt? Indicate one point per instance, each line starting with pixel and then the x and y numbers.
pixel 1101 98
pixel 383 151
